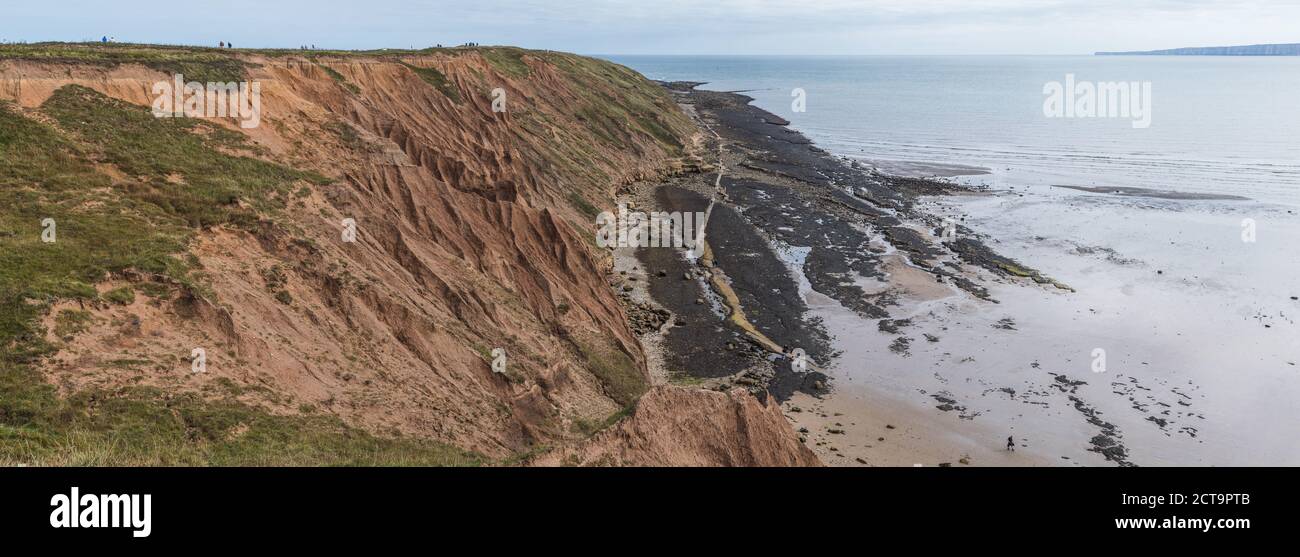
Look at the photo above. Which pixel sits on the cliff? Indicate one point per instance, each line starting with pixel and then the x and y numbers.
pixel 347 269
pixel 673 426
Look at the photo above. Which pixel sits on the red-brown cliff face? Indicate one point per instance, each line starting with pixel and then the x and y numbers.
pixel 473 233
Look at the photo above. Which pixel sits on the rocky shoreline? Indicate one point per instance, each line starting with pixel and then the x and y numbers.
pixel 788 219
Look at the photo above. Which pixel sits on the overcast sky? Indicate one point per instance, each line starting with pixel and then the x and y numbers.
pixel 672 26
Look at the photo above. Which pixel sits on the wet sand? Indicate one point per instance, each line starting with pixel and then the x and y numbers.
pixel 859 427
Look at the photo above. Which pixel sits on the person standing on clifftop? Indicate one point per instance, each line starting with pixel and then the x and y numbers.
pixel 1011 444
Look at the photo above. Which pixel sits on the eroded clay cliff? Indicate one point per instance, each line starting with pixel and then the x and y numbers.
pixel 473 234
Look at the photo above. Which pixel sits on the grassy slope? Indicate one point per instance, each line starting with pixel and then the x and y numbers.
pixel 141 225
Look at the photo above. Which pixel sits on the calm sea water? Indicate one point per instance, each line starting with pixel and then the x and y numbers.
pixel 1218 124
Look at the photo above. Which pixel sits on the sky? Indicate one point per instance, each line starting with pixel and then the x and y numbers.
pixel 796 27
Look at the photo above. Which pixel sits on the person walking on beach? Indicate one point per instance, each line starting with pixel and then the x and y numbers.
pixel 1011 444
pixel 221 44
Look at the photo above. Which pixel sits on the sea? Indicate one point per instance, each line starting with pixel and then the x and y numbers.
pixel 1217 125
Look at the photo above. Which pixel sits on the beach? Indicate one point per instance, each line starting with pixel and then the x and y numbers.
pixel 1092 326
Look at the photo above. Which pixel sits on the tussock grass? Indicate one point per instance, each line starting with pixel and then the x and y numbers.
pixel 164 150
pixel 632 104
pixel 507 60
pixel 588 428
pixel 143 427
pixel 338 77
pixel 620 377
pixel 439 81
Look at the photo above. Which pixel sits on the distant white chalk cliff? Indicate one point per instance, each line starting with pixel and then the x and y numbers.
pixel 1292 49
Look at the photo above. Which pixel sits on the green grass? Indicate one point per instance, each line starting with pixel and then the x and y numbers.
pixel 582 205
pixel 338 77
pixel 507 60
pixel 123 296
pixel 587 428
pixel 439 81
pixel 142 427
pixel 165 150
pixel 70 322
pixel 43 176
pixel 180 178
pixel 620 377
pixel 631 103
pixel 197 64
pixel 349 137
